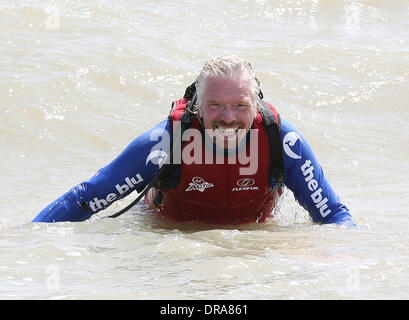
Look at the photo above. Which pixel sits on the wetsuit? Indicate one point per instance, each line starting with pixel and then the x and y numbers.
pixel 137 165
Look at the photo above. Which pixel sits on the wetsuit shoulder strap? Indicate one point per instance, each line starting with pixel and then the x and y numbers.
pixel 272 124
pixel 167 173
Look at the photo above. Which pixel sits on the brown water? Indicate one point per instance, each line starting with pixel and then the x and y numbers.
pixel 80 80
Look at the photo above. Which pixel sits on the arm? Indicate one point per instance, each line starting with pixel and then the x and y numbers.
pixel 133 169
pixel 305 178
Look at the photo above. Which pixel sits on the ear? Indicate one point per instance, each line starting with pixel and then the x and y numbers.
pixel 256 108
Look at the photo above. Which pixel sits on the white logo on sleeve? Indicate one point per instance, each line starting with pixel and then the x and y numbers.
pixel 199 184
pixel 289 140
pixel 157 157
pixel 319 200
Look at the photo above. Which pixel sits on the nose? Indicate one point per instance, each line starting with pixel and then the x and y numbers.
pixel 228 115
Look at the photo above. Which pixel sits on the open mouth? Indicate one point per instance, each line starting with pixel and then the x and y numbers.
pixel 226 135
pixel 227 131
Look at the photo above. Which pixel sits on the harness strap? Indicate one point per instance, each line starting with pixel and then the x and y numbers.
pixel 272 127
pixel 167 174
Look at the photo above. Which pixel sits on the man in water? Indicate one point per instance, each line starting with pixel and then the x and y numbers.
pixel 223 156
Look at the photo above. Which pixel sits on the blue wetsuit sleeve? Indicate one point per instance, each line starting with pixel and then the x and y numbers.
pixel 305 178
pixel 133 169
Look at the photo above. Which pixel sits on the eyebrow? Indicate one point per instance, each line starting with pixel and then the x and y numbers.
pixel 236 102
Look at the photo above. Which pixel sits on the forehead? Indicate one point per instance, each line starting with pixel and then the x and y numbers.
pixel 226 89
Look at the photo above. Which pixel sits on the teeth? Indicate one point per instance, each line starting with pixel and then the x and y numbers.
pixel 227 131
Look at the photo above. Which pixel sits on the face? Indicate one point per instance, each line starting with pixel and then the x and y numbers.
pixel 227 110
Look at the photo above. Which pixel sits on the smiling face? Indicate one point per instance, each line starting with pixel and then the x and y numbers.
pixel 227 109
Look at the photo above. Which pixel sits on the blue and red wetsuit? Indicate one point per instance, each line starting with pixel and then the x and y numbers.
pixel 215 193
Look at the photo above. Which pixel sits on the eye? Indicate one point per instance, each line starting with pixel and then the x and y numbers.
pixel 242 107
pixel 214 106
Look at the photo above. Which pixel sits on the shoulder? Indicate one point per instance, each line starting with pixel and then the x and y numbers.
pixel 287 127
pixel 159 132
pixel 139 152
pixel 294 144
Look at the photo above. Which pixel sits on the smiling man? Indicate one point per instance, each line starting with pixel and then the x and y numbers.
pixel 227 107
pixel 223 156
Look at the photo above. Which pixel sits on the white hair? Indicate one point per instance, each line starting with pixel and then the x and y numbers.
pixel 229 67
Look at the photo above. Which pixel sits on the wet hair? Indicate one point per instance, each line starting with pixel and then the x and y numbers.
pixel 229 67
